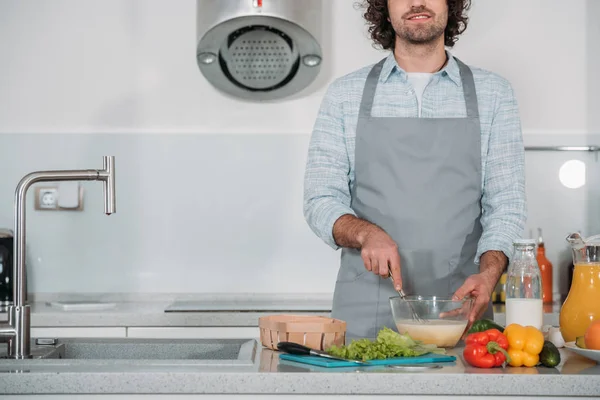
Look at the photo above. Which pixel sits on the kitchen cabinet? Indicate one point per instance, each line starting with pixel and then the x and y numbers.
pixel 72 332
pixel 210 332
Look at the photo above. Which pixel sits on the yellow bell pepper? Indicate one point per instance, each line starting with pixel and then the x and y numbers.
pixel 525 344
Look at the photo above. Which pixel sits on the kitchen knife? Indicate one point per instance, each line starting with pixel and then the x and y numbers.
pixel 300 350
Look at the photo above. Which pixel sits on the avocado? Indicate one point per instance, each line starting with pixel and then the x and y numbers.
pixel 580 342
pixel 483 325
pixel 550 356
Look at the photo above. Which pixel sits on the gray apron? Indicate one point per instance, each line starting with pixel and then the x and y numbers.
pixel 420 180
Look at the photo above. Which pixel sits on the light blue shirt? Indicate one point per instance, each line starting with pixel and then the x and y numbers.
pixel 330 165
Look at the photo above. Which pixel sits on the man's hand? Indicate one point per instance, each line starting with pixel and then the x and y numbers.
pixel 377 248
pixel 380 255
pixel 481 285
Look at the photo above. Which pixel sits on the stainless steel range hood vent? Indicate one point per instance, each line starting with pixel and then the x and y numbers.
pixel 259 49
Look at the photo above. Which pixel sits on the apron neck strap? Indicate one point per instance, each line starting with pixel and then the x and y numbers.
pixel 468 83
pixel 466 76
pixel 366 103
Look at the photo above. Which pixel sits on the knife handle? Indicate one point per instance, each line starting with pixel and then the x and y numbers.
pixel 294 348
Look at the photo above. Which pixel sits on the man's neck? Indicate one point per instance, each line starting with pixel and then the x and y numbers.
pixel 420 58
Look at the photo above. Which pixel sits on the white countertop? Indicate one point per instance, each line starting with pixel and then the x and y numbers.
pixel 268 374
pixel 220 309
pixel 152 310
pixel 575 376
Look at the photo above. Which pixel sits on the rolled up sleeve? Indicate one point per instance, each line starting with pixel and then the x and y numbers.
pixel 326 178
pixel 504 208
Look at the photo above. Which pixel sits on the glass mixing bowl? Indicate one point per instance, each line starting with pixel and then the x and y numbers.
pixel 443 320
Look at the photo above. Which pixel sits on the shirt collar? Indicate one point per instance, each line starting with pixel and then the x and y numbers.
pixel 450 70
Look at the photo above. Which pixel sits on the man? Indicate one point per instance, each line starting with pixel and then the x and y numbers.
pixel 416 164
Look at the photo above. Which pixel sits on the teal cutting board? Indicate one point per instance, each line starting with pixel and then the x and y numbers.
pixel 329 363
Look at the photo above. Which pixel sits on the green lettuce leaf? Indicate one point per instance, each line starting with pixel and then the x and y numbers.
pixel 388 344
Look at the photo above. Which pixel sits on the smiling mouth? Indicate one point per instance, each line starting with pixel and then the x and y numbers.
pixel 419 17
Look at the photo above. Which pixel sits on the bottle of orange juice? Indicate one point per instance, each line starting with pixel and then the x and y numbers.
pixel 545 269
pixel 582 306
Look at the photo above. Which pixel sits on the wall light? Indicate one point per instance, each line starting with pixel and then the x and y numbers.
pixel 572 174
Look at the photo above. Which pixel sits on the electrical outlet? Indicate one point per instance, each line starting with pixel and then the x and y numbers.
pixel 46 198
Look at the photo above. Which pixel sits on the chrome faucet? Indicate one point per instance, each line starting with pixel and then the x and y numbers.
pixel 18 330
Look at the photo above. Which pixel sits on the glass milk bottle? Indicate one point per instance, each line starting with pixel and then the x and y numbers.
pixel 524 304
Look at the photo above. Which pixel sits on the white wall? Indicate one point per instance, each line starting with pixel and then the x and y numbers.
pixel 593 66
pixel 129 66
pixel 212 199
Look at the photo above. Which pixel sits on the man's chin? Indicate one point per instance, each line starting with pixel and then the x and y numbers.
pixel 421 39
pixel 421 35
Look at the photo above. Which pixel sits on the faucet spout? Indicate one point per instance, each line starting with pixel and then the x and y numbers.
pixel 108 177
pixel 18 330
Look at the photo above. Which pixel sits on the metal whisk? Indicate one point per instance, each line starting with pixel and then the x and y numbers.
pixel 415 315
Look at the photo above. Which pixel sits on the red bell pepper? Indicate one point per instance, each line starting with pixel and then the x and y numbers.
pixel 486 349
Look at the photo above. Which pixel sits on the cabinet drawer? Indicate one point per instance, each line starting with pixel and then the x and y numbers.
pixel 209 332
pixel 74 332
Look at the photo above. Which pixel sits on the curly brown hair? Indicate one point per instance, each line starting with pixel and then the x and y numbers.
pixel 382 32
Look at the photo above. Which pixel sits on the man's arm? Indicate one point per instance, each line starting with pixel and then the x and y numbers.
pixel 504 201
pixel 327 194
pixel 350 231
pixel 492 265
pixel 326 178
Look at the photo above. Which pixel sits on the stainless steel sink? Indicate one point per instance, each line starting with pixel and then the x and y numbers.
pixel 213 352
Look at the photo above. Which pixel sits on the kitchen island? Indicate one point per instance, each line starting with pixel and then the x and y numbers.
pixel 267 374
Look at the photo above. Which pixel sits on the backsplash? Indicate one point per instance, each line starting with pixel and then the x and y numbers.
pixel 195 213
pixel 218 213
pixel 209 188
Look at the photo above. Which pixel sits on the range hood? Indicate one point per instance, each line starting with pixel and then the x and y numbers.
pixel 259 49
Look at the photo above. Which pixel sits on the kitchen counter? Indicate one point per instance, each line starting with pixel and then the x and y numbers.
pixel 133 310
pixel 575 376
pixel 233 310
